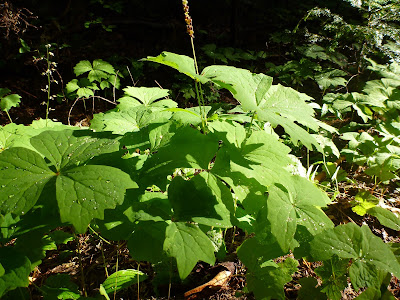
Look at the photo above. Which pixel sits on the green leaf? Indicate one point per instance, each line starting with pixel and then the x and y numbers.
pixel 146 95
pixel 385 217
pixel 17 268
pixel 23 175
pixel 253 252
pixel 363 275
pixel 82 67
pixel 147 240
pixel 129 120
pixel 69 148
pixel 310 289
pixel 181 150
pixel 276 106
pixel 123 279
pixel 364 201
pixel 334 277
pixel 206 205
pixel 4 91
pixel 60 286
pixel 83 88
pixel 182 63
pixel 296 205
pixel 100 69
pixel 61 237
pixel 87 191
pixel 357 243
pixel 331 78
pixel 188 244
pixel 82 191
pixel 267 282
pixel 7 102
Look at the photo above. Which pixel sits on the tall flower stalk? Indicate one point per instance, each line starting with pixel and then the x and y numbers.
pixel 190 32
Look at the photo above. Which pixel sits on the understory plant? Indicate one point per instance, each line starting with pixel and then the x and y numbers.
pixel 168 180
pixel 161 178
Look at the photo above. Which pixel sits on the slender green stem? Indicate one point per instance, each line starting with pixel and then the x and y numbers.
pixel 48 83
pixel 194 56
pixel 8 115
pixel 98 235
pixel 104 259
pixel 199 91
pixel 138 282
pixel 250 124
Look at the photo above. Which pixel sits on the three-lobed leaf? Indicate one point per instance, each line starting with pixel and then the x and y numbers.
pixel 357 243
pixel 83 191
pixel 188 244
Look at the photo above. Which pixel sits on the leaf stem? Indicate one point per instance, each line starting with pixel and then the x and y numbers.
pixel 8 115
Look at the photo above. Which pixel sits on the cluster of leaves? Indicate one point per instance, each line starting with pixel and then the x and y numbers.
pixel 99 73
pixel 375 29
pixel 296 72
pixel 164 179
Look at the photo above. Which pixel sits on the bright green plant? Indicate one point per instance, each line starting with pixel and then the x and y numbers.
pixel 100 75
pixel 164 178
pixel 8 101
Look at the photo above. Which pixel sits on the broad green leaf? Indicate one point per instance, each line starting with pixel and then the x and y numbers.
pixel 331 78
pixel 379 290
pixel 187 148
pixel 61 237
pixel 70 148
pixel 8 135
pixel 82 67
pixel 281 215
pixel 17 268
pixel 334 277
pixel 364 200
pixel 147 240
pixel 99 64
pixel 296 205
pixel 268 282
pixel 182 63
pixel 23 174
pixel 146 95
pixel 151 206
pixel 100 69
pixel 4 91
pixel 83 88
pixel 83 193
pixel 188 244
pixel 310 289
pixel 363 275
pixel 123 279
pixel 185 116
pixel 13 135
pixel 357 243
pixel 241 83
pixel 121 122
pixel 385 217
pixel 276 106
pixel 60 286
pixel 253 252
pixel 7 102
pixel 201 200
pixel 34 245
pixel 249 165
